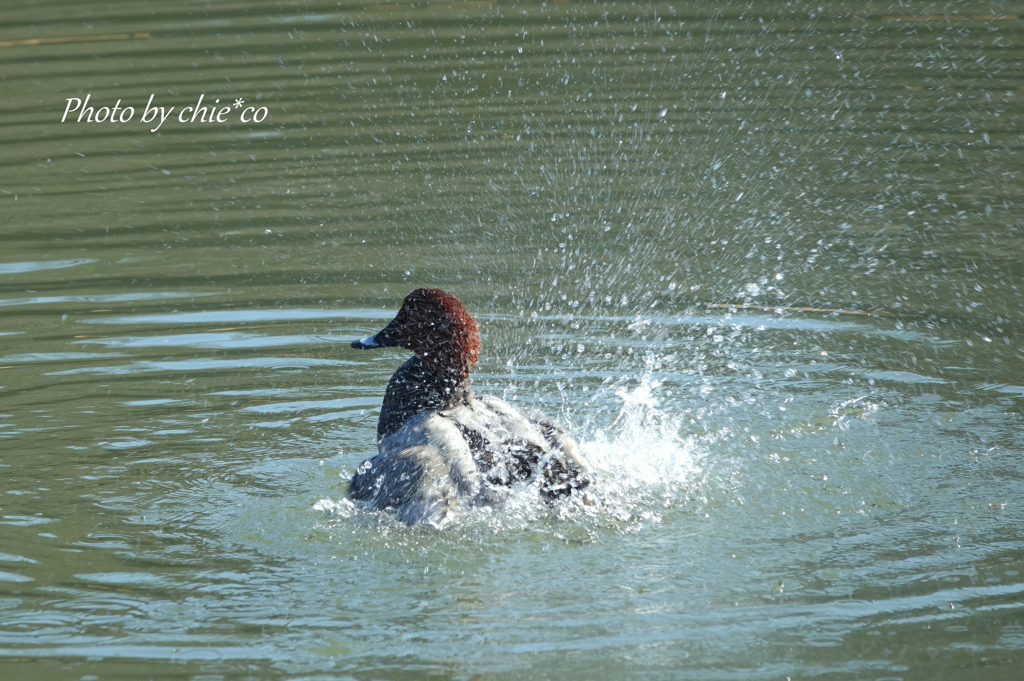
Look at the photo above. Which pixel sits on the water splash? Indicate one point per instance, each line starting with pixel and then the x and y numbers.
pixel 644 455
pixel 643 462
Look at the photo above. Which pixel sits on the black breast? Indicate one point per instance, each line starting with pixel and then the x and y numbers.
pixel 412 389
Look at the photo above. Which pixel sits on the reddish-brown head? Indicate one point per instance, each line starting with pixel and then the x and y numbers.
pixel 437 327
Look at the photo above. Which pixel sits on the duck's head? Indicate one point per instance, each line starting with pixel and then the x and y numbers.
pixel 437 327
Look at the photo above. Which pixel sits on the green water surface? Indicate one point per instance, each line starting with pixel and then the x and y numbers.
pixel 764 259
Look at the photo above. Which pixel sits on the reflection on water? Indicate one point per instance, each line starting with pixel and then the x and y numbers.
pixel 762 259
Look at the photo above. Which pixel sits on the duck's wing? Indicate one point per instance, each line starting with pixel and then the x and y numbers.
pixel 412 482
pixel 505 446
pixel 552 452
pixel 563 471
pixel 420 474
pixel 555 435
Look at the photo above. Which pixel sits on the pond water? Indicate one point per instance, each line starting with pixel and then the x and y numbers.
pixel 764 259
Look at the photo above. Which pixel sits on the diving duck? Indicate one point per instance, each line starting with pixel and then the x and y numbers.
pixel 439 445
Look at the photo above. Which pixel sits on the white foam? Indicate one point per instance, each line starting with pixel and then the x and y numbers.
pixel 643 460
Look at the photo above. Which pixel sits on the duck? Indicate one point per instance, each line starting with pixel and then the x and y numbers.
pixel 440 446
